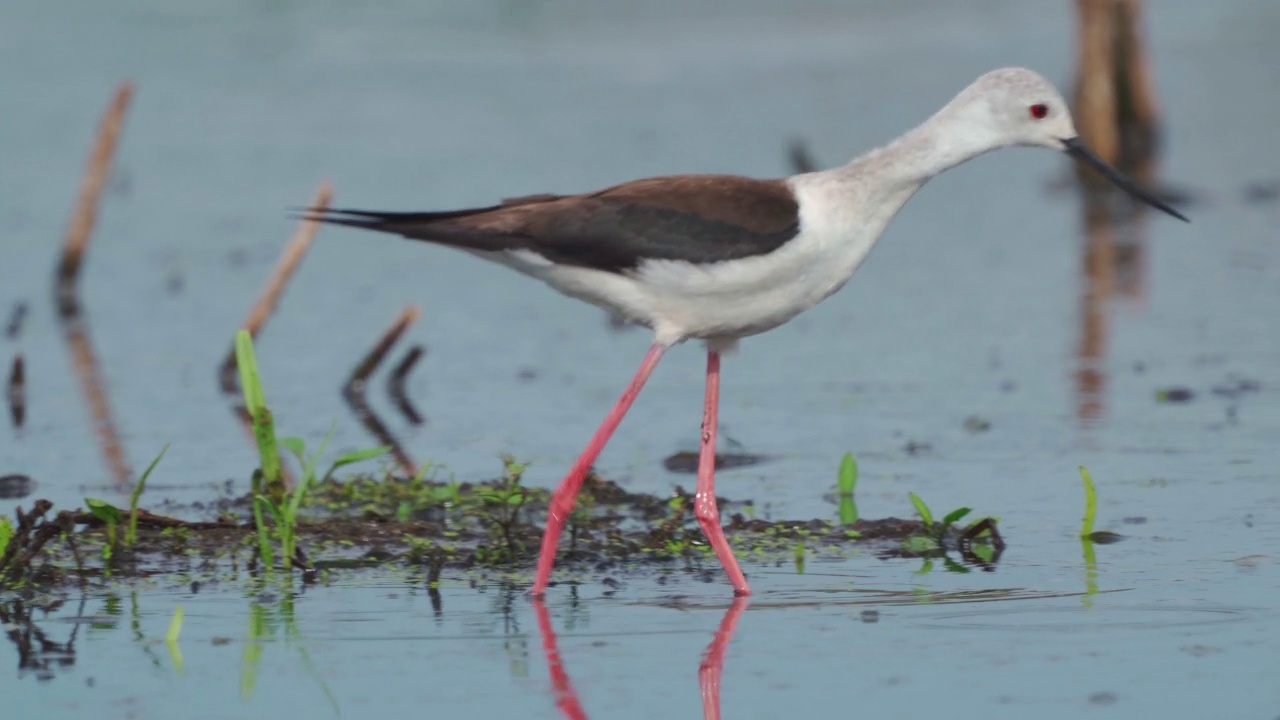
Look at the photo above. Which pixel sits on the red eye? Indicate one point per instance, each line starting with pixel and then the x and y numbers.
pixel 1039 110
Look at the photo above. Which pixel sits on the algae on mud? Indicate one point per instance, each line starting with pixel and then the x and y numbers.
pixel 484 528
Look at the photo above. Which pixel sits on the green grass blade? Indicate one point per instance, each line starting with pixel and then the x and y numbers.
pixel 131 535
pixel 923 510
pixel 955 515
pixel 264 537
pixel 356 456
pixel 1090 503
pixel 247 363
pixel 270 508
pixel 264 433
pixel 255 402
pixel 847 479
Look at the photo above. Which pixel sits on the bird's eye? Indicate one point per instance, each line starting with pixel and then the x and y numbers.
pixel 1039 110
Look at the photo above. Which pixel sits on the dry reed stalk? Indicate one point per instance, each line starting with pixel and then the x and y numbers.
pixel 353 391
pixel 360 376
pixel 397 380
pixel 85 215
pixel 289 260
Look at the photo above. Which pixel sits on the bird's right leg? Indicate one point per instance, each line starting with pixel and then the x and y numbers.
pixel 567 492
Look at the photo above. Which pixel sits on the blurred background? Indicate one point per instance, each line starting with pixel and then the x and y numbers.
pixel 1013 324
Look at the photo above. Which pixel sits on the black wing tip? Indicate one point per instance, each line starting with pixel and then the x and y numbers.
pixel 340 216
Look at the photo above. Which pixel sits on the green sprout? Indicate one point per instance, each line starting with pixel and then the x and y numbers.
pixel 270 497
pixel 846 481
pixel 1102 537
pixel 285 512
pixel 502 504
pixel 934 531
pixel 1090 503
pixel 111 516
pixel 131 534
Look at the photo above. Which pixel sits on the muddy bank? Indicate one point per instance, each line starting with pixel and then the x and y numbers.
pixel 486 529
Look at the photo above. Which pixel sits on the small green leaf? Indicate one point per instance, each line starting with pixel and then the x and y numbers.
pixel 955 515
pixel 847 479
pixel 104 511
pixel 295 445
pixel 923 510
pixel 356 456
pixel 515 499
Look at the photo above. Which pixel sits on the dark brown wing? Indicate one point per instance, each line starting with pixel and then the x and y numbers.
pixel 695 218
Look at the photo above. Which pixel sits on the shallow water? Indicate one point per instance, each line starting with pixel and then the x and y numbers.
pixel 971 307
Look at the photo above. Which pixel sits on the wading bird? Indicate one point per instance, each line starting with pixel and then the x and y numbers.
pixel 720 257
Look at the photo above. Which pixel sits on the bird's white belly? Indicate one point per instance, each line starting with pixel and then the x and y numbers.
pixel 722 301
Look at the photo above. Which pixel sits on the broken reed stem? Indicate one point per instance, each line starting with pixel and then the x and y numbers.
pixel 401 372
pixel 370 363
pixel 397 380
pixel 85 214
pixel 289 260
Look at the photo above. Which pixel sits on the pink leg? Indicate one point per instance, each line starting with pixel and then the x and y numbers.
pixel 713 660
pixel 704 507
pixel 564 496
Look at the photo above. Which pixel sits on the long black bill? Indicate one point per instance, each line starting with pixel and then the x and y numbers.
pixel 1076 149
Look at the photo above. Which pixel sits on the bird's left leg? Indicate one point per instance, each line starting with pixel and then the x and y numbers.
pixel 704 507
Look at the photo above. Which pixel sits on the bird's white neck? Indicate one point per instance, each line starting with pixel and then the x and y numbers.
pixel 960 131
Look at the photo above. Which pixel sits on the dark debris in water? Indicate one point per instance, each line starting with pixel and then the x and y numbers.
pixel 687 461
pixel 487 528
pixel 1105 537
pixel 1175 395
pixel 16 486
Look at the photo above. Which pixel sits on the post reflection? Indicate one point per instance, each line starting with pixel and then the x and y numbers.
pixel 1116 111
pixel 709 671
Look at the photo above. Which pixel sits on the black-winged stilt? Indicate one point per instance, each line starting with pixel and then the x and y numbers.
pixel 721 257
